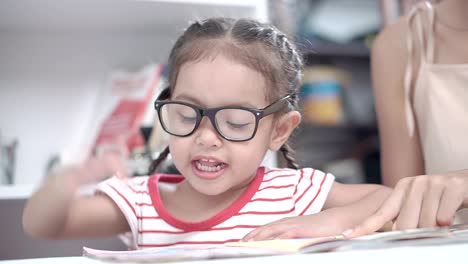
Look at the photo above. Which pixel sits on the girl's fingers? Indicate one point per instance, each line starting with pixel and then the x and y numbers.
pixel 116 164
pixel 386 213
pixel 285 235
pixel 430 205
pixel 255 234
pixel 94 170
pixel 114 155
pixel 250 235
pixel 266 232
pixel 411 205
pixel 98 169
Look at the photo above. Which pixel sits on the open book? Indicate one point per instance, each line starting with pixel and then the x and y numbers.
pixel 413 237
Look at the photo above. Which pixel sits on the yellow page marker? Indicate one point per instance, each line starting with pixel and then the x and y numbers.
pixel 290 245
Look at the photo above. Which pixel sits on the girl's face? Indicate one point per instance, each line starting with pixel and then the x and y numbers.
pixel 211 164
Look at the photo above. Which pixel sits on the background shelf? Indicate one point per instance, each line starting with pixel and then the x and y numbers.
pixel 57 55
pixel 314 47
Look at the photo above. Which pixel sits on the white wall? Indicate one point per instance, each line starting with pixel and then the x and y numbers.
pixel 49 84
pixel 55 54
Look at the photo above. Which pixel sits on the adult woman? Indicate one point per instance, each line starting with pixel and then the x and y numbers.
pixel 420 77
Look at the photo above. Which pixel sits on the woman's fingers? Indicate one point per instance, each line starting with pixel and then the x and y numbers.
pixel 451 200
pixel 430 204
pixel 411 204
pixel 386 213
pixel 371 224
pixel 421 201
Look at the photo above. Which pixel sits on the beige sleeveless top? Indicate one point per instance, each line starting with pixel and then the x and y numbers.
pixel 440 99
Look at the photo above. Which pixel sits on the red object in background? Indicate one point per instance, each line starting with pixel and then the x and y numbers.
pixel 122 126
pixel 123 122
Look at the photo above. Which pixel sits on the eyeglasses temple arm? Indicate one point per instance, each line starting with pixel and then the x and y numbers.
pixel 277 106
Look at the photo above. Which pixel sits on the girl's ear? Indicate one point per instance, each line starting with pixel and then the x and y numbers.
pixel 283 128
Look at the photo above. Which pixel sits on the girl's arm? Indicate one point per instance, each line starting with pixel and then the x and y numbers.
pixel 355 202
pixel 56 211
pixel 346 206
pixel 400 153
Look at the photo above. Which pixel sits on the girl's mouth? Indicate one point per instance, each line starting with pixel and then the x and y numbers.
pixel 208 168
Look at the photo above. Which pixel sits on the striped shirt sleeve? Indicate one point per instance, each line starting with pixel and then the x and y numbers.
pixel 312 191
pixel 123 195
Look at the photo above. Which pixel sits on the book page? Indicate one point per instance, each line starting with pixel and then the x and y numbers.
pixel 413 237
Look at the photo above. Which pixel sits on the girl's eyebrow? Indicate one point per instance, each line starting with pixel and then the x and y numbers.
pixel 195 101
pixel 183 97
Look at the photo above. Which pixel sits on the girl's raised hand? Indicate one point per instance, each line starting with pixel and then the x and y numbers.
pixel 420 201
pixel 108 162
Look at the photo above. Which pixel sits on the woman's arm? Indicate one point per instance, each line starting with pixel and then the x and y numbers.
pixel 400 153
pixel 55 211
pixel 418 201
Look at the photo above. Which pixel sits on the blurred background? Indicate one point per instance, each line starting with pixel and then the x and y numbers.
pixel 78 77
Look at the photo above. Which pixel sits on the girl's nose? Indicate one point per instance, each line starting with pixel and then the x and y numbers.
pixel 206 134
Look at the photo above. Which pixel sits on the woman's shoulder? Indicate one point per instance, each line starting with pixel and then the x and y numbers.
pixel 390 56
pixel 394 38
pixel 391 42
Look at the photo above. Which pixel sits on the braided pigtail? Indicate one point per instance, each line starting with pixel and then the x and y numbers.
pixel 288 156
pixel 155 164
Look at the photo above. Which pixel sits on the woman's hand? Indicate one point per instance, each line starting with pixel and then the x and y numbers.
pixel 325 223
pixel 420 201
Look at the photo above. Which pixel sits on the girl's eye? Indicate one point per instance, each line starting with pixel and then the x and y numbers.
pixel 187 118
pixel 237 125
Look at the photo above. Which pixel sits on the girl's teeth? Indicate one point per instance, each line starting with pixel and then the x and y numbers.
pixel 208 160
pixel 208 168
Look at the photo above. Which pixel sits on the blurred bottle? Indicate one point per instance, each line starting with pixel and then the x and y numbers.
pixel 321 95
pixel 7 161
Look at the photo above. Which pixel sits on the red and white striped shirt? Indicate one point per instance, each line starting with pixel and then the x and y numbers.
pixel 272 195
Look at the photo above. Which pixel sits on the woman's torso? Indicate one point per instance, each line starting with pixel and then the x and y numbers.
pixel 440 99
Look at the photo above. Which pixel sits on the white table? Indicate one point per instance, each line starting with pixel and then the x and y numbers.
pixel 456 253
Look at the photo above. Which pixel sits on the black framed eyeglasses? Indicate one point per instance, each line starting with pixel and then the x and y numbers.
pixel 233 123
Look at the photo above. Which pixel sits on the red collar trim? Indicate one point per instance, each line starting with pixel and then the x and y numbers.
pixel 222 216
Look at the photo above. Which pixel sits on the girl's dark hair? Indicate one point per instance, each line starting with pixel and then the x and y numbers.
pixel 259 46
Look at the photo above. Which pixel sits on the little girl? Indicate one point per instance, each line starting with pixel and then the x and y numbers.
pixel 232 96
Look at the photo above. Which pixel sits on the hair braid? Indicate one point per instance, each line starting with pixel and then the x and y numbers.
pixel 293 72
pixel 290 58
pixel 287 153
pixel 155 164
pixel 294 63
